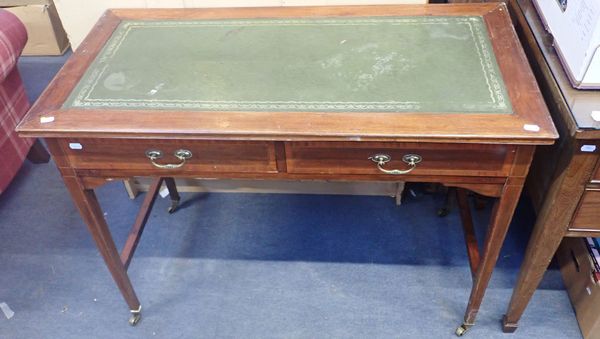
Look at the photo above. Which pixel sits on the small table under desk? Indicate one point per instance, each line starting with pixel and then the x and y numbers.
pixel 431 93
pixel 564 183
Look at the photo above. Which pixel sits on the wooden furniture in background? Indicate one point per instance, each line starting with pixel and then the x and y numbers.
pixel 562 184
pixel 581 282
pixel 482 139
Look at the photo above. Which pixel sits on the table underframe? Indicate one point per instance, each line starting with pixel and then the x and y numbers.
pixel 81 185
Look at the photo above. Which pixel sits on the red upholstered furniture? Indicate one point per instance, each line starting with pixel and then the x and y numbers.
pixel 13 101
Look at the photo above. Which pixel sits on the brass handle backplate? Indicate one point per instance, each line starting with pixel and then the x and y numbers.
pixel 181 154
pixel 381 159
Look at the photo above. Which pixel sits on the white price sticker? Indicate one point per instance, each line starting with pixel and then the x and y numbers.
pixel 45 120
pixel 588 148
pixel 531 128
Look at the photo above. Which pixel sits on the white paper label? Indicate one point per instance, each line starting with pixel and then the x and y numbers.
pixel 8 313
pixel 588 148
pixel 75 145
pixel 531 128
pixel 45 120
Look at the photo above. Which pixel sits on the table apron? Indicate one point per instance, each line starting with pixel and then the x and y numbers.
pixel 293 160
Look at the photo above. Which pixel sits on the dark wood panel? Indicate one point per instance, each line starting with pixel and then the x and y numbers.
pixel 588 212
pixel 208 156
pixel 596 176
pixel 438 159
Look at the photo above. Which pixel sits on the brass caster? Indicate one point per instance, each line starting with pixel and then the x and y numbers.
pixel 173 207
pixel 442 212
pixel 135 319
pixel 461 330
pixel 508 327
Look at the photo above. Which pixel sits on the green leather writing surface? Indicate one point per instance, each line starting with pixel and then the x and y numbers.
pixel 366 64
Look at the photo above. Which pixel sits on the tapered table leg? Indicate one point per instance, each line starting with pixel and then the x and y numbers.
pixel 469 230
pixel 501 217
pixel 549 230
pixel 38 153
pixel 445 210
pixel 173 194
pixel 90 210
pixel 540 250
pixel 140 223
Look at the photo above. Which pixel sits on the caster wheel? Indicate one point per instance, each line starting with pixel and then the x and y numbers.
pixel 460 331
pixel 442 212
pixel 135 319
pixel 173 207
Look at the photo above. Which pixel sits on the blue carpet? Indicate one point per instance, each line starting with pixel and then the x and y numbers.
pixel 255 265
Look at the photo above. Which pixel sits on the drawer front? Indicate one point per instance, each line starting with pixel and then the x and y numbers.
pixel 437 159
pixel 587 215
pixel 206 156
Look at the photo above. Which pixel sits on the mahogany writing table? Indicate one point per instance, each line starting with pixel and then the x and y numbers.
pixel 431 93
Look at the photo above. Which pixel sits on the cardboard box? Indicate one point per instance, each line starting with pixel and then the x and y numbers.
pixel 575 26
pixel 46 35
pixel 577 269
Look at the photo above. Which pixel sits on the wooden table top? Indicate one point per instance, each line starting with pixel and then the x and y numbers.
pixel 385 73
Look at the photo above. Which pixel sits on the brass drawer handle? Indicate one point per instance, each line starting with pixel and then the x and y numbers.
pixel 181 154
pixel 381 159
